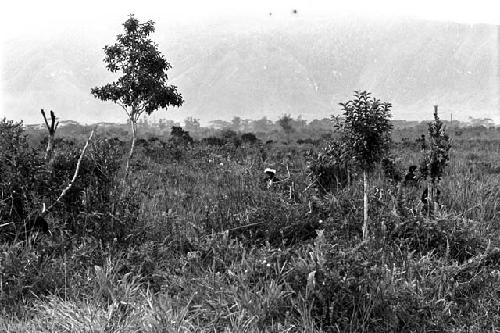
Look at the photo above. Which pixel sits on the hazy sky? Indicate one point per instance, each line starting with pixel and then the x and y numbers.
pixel 42 17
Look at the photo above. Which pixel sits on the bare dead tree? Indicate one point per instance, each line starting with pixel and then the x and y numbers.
pixel 52 131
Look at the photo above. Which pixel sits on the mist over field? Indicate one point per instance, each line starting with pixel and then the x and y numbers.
pixel 268 67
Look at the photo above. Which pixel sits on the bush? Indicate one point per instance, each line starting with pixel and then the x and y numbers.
pixel 214 141
pixel 178 136
pixel 354 289
pixel 92 196
pixel 23 179
pixel 249 138
pixel 328 170
pixel 451 237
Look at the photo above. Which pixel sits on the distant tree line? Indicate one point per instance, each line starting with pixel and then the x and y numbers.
pixel 297 130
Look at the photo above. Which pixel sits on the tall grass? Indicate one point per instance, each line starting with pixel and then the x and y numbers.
pixel 211 249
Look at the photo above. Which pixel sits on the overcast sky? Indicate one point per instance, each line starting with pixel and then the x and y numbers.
pixel 42 17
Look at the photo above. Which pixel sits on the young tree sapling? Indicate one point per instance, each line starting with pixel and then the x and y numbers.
pixel 366 135
pixel 143 86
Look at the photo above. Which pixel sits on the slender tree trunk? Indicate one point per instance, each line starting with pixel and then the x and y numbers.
pixel 365 205
pixel 133 125
pixel 431 199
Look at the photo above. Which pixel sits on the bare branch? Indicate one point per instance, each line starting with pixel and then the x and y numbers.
pixel 53 121
pixel 45 118
pixel 141 108
pixel 123 106
pixel 63 193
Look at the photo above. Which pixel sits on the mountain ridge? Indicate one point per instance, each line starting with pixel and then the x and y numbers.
pixel 253 70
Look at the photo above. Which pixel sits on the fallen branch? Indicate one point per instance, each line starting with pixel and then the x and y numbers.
pixel 75 175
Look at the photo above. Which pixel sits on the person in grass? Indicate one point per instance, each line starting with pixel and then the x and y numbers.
pixel 410 192
pixel 410 177
pixel 271 177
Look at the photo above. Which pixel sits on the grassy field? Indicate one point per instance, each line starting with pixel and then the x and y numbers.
pixel 195 241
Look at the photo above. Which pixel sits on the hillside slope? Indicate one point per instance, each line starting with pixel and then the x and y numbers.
pixel 270 68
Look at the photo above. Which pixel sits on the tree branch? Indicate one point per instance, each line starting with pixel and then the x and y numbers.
pixel 63 193
pixel 123 107
pixel 53 122
pixel 45 118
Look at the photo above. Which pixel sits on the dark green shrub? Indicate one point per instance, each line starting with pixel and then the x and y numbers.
pixel 179 136
pixel 328 169
pixel 214 141
pixel 22 178
pixel 249 138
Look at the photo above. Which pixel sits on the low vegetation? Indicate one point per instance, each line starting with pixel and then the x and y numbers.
pixel 185 232
pixel 194 240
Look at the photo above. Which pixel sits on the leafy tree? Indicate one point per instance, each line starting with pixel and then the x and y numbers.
pixel 192 124
pixel 436 157
pixel 180 136
pixel 366 135
pixel 286 124
pixel 262 125
pixel 143 86
pixel 236 124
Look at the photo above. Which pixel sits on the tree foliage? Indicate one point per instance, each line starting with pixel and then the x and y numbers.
pixel 192 124
pixel 437 155
pixel 286 123
pixel 143 85
pixel 179 136
pixel 365 135
pixel 366 129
